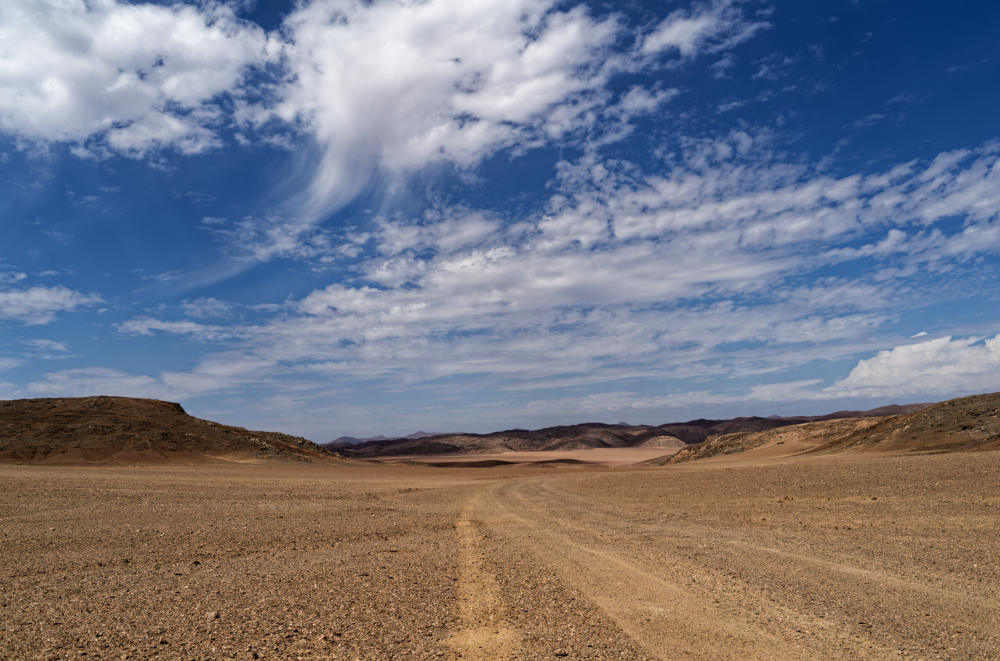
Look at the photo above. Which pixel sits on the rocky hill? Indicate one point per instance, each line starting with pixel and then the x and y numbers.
pixel 128 430
pixel 783 440
pixel 967 423
pixel 590 435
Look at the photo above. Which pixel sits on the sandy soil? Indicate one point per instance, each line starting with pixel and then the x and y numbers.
pixel 839 556
pixel 600 456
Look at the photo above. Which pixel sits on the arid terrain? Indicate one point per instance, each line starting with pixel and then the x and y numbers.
pixel 772 552
pixel 591 435
pixel 846 556
pixel 607 457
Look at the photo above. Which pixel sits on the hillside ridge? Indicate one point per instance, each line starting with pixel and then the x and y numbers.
pixel 591 435
pixel 103 429
pixel 964 423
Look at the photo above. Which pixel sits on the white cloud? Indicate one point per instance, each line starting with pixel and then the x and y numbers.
pixel 82 382
pixel 392 87
pixel 52 346
pixel 399 86
pixel 639 100
pixel 782 391
pixel 206 307
pixel 223 372
pixel 943 365
pixel 147 326
pixel 40 305
pixel 698 272
pixel 10 363
pixel 129 77
pixel 382 88
pixel 260 239
pixel 444 231
pixel 712 28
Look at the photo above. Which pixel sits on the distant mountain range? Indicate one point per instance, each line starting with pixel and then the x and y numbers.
pixel 349 441
pixel 586 435
pixel 124 430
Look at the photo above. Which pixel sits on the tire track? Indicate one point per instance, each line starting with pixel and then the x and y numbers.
pixel 663 617
pixel 796 568
pixel 484 634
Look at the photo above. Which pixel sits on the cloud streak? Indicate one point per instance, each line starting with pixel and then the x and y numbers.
pixel 40 305
pixel 700 272
pixel 389 88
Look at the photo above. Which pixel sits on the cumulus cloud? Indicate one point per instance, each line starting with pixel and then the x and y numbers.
pixel 41 305
pixel 121 76
pixel 724 258
pixel 942 365
pixel 382 88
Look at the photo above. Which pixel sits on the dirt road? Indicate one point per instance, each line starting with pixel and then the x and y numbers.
pixel 830 557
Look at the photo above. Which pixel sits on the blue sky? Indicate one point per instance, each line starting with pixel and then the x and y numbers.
pixel 336 217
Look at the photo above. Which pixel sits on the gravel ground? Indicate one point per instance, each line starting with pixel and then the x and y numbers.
pixel 842 556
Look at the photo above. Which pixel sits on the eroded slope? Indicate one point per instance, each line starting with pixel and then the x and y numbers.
pixel 966 423
pixel 783 440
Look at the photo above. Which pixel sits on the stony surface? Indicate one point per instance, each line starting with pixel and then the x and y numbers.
pixel 826 556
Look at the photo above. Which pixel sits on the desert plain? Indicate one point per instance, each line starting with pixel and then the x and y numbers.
pixel 847 555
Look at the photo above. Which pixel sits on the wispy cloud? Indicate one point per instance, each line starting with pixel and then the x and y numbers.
pixel 488 207
pixel 149 325
pixel 46 346
pixel 388 88
pixel 206 307
pixel 40 305
pixel 712 269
